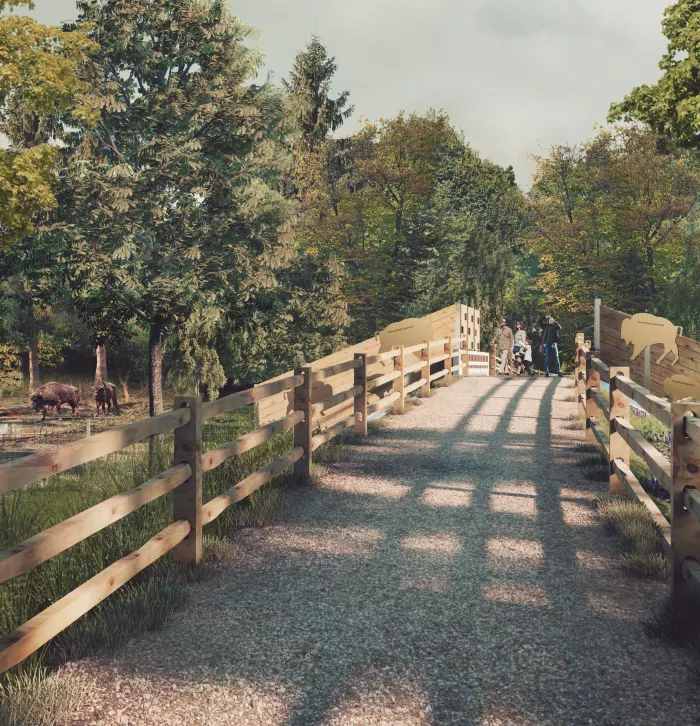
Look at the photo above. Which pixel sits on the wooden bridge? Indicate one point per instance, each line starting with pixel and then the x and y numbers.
pixel 452 571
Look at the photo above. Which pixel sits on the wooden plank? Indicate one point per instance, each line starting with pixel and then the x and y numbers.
pixel 383 403
pixel 400 383
pixel 439 358
pixel 414 348
pixel 659 466
pixel 386 378
pixel 635 491
pixel 592 381
pixel 389 355
pixel 48 623
pixel 216 457
pixel 333 431
pixel 690 570
pixel 602 368
pixel 360 402
pixel 213 508
pixel 415 367
pixel 652 404
pixel 439 343
pixel 618 407
pixel 439 374
pixel 691 499
pixel 601 401
pixel 692 428
pixel 41 547
pixel 318 408
pixel 251 395
pixel 334 370
pixel 415 386
pixel 25 471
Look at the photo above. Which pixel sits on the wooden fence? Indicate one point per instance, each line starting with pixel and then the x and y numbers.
pixel 405 370
pixel 680 476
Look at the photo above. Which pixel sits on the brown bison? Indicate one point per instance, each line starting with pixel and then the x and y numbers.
pixel 55 395
pixel 105 395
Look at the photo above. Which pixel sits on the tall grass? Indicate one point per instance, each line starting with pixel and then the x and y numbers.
pixel 147 600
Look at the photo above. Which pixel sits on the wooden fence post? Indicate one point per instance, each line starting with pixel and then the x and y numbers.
pixel 448 350
pixel 361 397
pixel 592 381
pixel 187 498
pixel 425 355
pixel 492 360
pixel 400 382
pixel 685 529
pixel 464 357
pixel 581 378
pixel 304 429
pixel 619 408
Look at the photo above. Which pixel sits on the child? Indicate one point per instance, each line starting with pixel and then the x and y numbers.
pixel 527 356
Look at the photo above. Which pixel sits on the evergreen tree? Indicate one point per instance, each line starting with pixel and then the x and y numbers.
pixel 309 85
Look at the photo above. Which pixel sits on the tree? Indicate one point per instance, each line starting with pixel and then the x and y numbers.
pixel 609 219
pixel 181 196
pixel 672 105
pixel 40 85
pixel 309 86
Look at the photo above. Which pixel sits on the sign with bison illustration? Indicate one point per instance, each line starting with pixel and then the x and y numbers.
pixel 406 332
pixel 678 387
pixel 643 330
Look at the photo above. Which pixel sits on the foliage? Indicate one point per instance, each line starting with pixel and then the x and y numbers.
pixel 309 88
pixel 607 221
pixel 40 84
pixel 672 105
pixel 10 368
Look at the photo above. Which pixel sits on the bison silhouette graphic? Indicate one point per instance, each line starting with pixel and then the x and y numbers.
pixel 643 330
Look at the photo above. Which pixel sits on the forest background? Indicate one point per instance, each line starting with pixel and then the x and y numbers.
pixel 166 220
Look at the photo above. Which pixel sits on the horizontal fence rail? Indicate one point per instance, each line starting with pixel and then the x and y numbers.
pixel 314 422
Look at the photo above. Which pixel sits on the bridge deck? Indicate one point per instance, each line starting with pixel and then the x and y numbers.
pixel 452 571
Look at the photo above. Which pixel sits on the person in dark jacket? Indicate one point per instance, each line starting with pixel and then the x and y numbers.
pixel 551 333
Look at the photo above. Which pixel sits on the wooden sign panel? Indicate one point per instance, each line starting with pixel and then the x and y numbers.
pixel 643 330
pixel 677 387
pixel 406 332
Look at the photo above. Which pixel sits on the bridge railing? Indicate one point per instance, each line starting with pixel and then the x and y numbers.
pixel 680 475
pixel 184 477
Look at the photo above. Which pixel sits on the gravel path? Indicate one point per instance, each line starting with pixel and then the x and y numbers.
pixel 451 572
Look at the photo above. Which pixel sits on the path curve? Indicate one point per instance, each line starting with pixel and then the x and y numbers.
pixel 453 571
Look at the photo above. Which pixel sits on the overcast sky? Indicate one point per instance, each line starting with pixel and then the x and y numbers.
pixel 515 75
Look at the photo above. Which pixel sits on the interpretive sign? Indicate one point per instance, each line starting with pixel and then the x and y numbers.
pixel 643 330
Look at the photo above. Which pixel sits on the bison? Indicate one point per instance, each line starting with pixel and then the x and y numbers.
pixel 643 330
pixel 105 395
pixel 55 395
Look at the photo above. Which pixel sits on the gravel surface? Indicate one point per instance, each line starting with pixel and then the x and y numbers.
pixel 453 571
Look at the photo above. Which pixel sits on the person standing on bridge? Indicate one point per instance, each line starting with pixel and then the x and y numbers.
pixel 551 334
pixel 505 343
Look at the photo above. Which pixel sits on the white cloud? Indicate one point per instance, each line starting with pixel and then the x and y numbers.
pixel 515 75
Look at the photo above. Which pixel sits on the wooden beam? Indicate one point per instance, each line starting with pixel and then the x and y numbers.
pixel 414 348
pixel 335 370
pixel 333 431
pixel 303 430
pixel 334 400
pixel 382 403
pixel 601 401
pixel 618 408
pixel 692 428
pixel 599 436
pixel 216 457
pixel 427 357
pixel 439 358
pixel 415 367
pixel 691 500
pixel 25 471
pixel 251 395
pixel 592 381
pixel 602 369
pixel 361 395
pixel 380 357
pixel 41 547
pixel 656 406
pixel 655 460
pixel 213 508
pixel 690 571
pixel 439 374
pixel 635 491
pixel 187 498
pixel 376 382
pixel 400 383
pixel 57 617
pixel 415 386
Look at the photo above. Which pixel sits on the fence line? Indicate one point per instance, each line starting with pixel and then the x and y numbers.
pixel 184 478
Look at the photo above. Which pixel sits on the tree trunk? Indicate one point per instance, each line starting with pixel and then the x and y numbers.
pixel 33 364
pixel 101 368
pixel 155 370
pixel 125 388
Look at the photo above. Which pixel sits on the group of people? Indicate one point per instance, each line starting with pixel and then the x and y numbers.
pixel 518 347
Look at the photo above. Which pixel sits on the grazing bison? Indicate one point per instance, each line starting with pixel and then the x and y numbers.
pixel 55 395
pixel 643 330
pixel 105 395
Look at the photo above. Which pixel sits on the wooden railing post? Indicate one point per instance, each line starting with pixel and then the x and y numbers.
pixel 685 529
pixel 187 498
pixel 592 381
pixel 425 355
pixel 400 382
pixel 361 397
pixel 492 360
pixel 578 343
pixel 581 378
pixel 448 351
pixel 619 408
pixel 464 357
pixel 304 429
